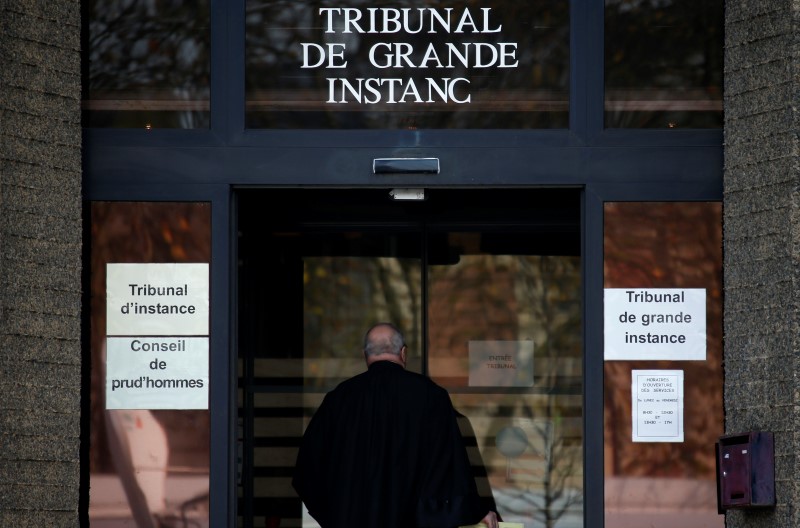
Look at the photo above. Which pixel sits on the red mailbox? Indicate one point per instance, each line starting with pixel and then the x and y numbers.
pixel 745 471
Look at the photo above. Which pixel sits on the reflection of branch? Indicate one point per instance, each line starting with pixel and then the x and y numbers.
pixel 390 277
pixel 543 283
pixel 556 497
pixel 390 295
pixel 559 468
pixel 413 291
pixel 137 47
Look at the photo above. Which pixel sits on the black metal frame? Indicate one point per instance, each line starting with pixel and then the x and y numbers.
pixel 210 165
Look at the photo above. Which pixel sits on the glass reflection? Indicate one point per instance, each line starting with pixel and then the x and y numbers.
pixel 148 64
pixel 364 290
pixel 665 485
pixel 528 436
pixel 147 467
pixel 663 63
pixel 417 76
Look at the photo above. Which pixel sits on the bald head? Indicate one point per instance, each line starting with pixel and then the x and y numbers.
pixel 384 342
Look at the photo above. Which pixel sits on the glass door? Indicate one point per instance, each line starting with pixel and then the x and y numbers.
pixel 486 285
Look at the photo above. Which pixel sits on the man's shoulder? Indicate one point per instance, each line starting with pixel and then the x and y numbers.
pixel 416 383
pixel 386 372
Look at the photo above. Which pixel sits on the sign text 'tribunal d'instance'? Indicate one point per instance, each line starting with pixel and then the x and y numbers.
pixel 392 58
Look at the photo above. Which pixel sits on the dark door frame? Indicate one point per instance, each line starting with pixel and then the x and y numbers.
pixel 551 215
pixel 208 165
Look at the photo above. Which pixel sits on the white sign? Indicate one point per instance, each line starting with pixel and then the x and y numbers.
pixel 158 305
pixel 501 363
pixel 655 324
pixel 156 299
pixel 657 405
pixel 157 373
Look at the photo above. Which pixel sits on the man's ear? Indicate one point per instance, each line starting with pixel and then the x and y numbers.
pixel 403 354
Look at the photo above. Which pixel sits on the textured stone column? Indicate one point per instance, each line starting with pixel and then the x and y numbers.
pixel 762 231
pixel 40 262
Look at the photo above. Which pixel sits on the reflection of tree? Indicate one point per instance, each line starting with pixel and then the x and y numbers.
pixel 151 50
pixel 664 43
pixel 141 233
pixel 404 275
pixel 471 299
pixel 661 50
pixel 675 246
pixel 364 291
pixel 561 492
pixel 521 298
pixel 551 284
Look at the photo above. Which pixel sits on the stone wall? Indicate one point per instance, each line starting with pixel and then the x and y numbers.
pixel 40 262
pixel 761 238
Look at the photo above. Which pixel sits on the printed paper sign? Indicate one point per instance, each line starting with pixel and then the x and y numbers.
pixel 151 309
pixel 157 373
pixel 655 324
pixel 657 405
pixel 156 299
pixel 501 363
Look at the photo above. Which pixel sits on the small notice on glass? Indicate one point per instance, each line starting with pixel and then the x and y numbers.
pixel 501 363
pixel 657 405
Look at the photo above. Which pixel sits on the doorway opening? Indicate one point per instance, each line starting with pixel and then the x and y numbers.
pixel 487 287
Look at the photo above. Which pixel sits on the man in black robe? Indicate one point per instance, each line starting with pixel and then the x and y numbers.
pixel 384 450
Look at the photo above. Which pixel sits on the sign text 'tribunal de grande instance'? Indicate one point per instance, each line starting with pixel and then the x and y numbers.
pixel 392 55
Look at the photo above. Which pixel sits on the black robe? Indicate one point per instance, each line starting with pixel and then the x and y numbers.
pixel 384 451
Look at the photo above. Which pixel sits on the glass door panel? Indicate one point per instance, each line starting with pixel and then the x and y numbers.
pixel 505 339
pixel 306 297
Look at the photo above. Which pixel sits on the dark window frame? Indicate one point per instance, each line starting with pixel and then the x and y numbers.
pixel 210 165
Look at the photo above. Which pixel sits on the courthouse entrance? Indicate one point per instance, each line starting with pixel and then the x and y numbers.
pixel 487 286
pixel 564 148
